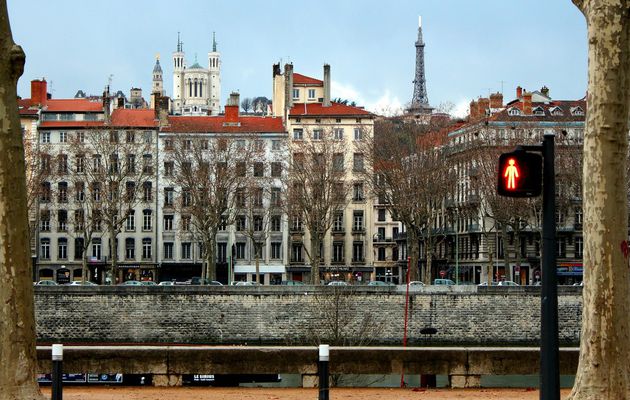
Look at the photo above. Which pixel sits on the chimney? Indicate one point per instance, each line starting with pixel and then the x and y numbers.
pixel 473 110
pixel 496 100
pixel 161 108
pixel 39 95
pixel 326 86
pixel 288 85
pixel 519 92
pixel 276 70
pixel 527 103
pixel 232 109
pixel 545 91
pixel 484 105
pixel 106 105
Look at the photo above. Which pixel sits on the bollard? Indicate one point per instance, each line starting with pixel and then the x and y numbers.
pixel 324 356
pixel 57 380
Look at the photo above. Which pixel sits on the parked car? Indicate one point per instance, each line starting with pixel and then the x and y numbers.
pixel 196 280
pixel 338 283
pixel 292 283
pixel 508 283
pixel 79 283
pixel 130 283
pixel 47 283
pixel 246 283
pixel 148 283
pixel 486 283
pixel 380 283
pixel 166 283
pixel 443 282
pixel 416 283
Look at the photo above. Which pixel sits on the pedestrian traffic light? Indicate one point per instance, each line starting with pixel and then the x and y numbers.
pixel 519 174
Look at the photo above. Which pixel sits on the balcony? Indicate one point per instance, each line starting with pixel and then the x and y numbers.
pixel 380 239
pixel 358 260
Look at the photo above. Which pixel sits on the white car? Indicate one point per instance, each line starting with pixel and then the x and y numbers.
pixel 79 283
pixel 338 283
pixel 508 283
pixel 416 283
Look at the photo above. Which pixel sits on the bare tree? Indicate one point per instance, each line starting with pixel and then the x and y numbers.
pixel 17 320
pixel 209 177
pixel 246 104
pixel 603 370
pixel 413 177
pixel 112 175
pixel 318 189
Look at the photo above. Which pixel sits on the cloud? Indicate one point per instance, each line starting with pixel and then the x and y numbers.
pixel 461 108
pixel 387 104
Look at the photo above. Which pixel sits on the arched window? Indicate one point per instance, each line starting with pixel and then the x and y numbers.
pixel 200 88
pixel 189 88
pixel 195 87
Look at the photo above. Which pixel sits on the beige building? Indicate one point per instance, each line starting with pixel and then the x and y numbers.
pixel 308 111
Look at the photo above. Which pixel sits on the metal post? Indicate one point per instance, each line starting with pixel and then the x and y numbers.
pixel 549 352
pixel 57 380
pixel 324 357
pixel 402 373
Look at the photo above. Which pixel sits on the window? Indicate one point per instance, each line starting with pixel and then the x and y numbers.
pixel 275 145
pixel 338 222
pixel 223 223
pixel 276 197
pixel 45 137
pixel 168 223
pixel 311 94
pixel 241 168
pixel 130 222
pixel 240 198
pixel 80 164
pixel 186 251
pixel 205 145
pixel 44 221
pixel 96 249
pixel 130 191
pixel 63 137
pixel 130 248
pixel 62 220
pixel 357 252
pixel 259 169
pixel 147 165
pixel 240 250
pixel 258 223
pixel 240 223
pixel 146 249
pixel 275 223
pixel 169 196
pixel 296 252
pixel 113 137
pixel 578 217
pixel 381 214
pixel 276 169
pixel 338 133
pixel 276 250
pixel 78 248
pixel 168 250
pixel 148 137
pixel 79 218
pixel 168 168
pixel 357 165
pixel 358 134
pixel 186 223
pixel 62 163
pixel 186 198
pixel 298 134
pixel 318 134
pixel 147 188
pixel 561 247
pixel 168 144
pixel 44 251
pixel 131 136
pixel 579 247
pixel 296 94
pixel 44 164
pixel 96 162
pixel 357 224
pixel 113 164
pixel 187 144
pixel 96 220
pixel 337 255
pixel 257 198
pixel 131 163
pixel 45 192
pixel 81 137
pixel 514 111
pixel 357 192
pixel 62 192
pixel 381 254
pixel 147 219
pixel 338 162
pixel 96 191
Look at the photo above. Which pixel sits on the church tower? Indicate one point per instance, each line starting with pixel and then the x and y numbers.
pixel 158 83
pixel 420 100
pixel 178 74
pixel 214 69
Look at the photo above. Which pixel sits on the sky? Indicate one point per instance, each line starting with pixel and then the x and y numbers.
pixel 472 48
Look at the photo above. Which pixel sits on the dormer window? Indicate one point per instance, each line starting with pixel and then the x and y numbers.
pixel 556 111
pixel 577 111
pixel 538 111
pixel 514 111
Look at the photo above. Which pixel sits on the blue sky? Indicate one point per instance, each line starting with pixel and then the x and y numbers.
pixel 472 47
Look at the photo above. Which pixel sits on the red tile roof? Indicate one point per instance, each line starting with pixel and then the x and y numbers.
pixel 24 107
pixel 335 109
pixel 70 105
pixel 71 124
pixel 178 124
pixel 300 79
pixel 122 117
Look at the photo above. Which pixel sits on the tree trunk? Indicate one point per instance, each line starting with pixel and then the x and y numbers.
pixel 603 371
pixel 114 250
pixel 314 256
pixel 257 263
pixel 211 264
pixel 413 248
pixel 428 250
pixel 506 254
pixel 517 251
pixel 17 320
pixel 489 269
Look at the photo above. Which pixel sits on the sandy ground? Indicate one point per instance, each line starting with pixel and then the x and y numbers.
pixel 194 393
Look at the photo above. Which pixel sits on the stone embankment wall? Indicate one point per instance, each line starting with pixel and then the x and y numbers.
pixel 459 316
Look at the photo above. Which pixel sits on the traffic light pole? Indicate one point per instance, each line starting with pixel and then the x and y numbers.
pixel 549 352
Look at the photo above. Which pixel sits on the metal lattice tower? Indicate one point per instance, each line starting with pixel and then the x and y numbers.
pixel 420 100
